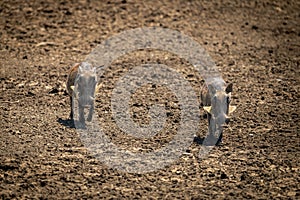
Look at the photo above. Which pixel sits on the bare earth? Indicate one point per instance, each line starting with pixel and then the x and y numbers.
pixel 256 46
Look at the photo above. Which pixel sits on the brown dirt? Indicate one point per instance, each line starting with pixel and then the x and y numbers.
pixel 255 44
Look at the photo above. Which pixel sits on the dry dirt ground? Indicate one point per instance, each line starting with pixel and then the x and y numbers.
pixel 255 45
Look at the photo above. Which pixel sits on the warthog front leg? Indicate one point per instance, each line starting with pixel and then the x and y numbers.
pixel 71 105
pixel 91 111
pixel 81 114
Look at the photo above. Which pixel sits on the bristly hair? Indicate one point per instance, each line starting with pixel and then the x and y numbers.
pixel 86 67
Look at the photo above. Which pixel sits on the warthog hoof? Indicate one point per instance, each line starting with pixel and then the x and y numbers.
pixel 89 118
pixel 80 125
pixel 211 140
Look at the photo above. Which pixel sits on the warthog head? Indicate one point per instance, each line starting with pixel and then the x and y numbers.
pixel 218 109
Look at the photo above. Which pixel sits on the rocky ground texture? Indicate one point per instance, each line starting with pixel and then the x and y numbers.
pixel 255 45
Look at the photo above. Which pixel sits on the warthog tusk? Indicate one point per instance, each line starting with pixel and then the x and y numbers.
pixel 207 108
pixel 231 109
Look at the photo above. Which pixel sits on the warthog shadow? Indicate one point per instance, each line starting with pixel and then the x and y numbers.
pixel 199 140
pixel 70 123
pixel 66 122
pixel 212 142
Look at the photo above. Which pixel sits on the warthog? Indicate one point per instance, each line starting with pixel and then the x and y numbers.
pixel 215 100
pixel 81 84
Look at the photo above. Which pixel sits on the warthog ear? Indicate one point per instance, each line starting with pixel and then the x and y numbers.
pixel 229 88
pixel 231 109
pixel 207 108
pixel 80 69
